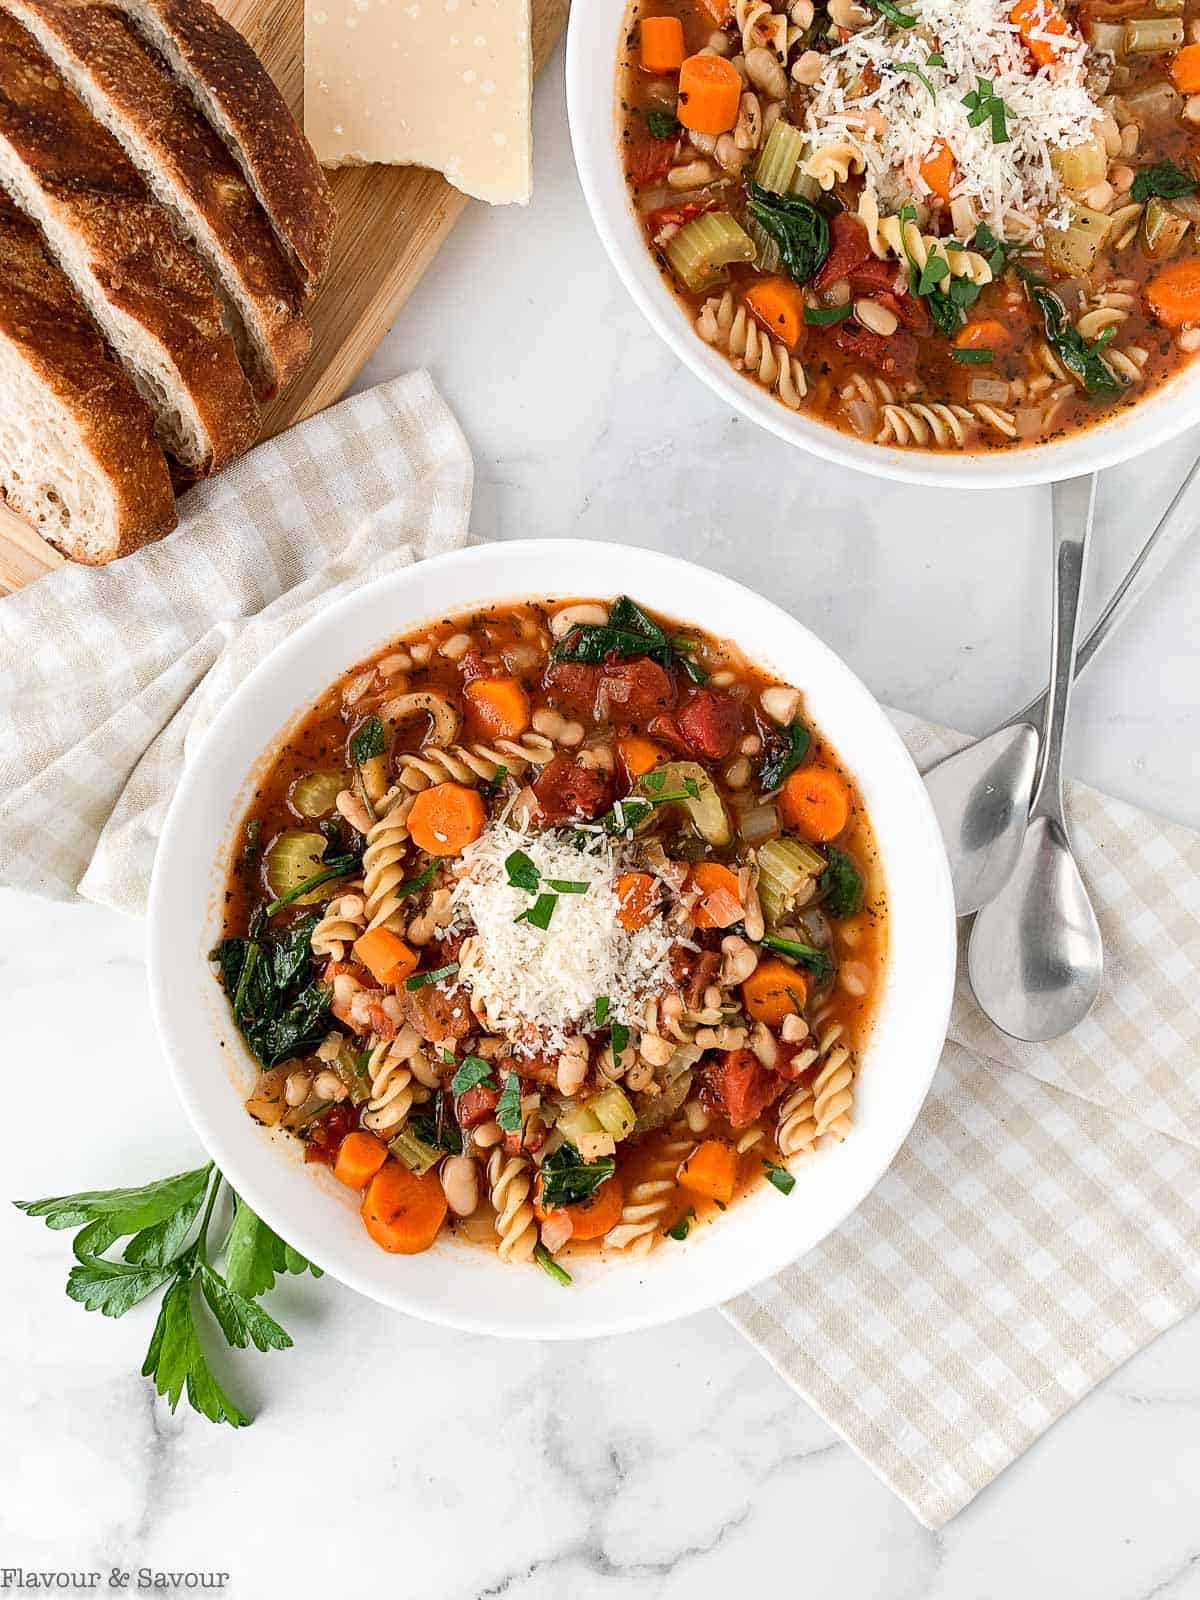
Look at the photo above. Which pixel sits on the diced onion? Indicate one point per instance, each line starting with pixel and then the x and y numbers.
pixel 758 824
pixel 993 390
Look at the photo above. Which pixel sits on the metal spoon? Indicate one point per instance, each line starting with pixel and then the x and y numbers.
pixel 982 794
pixel 1035 957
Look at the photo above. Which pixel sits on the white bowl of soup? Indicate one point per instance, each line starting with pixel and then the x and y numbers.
pixel 930 242
pixel 552 961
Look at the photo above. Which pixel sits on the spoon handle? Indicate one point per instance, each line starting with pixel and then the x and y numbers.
pixel 1175 527
pixel 1074 503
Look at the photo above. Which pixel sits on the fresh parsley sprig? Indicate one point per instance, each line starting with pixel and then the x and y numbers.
pixel 985 105
pixel 165 1249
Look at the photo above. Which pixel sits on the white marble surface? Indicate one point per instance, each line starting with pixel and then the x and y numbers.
pixel 390 1457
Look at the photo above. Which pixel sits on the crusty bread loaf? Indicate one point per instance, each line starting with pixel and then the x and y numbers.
pixel 78 457
pixel 145 288
pixel 188 170
pixel 234 91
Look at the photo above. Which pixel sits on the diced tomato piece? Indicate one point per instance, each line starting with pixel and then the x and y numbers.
pixel 328 1131
pixel 381 1022
pixel 895 357
pixel 876 277
pixel 633 691
pixel 676 216
pixel 566 789
pixel 649 160
pixel 849 247
pixel 738 1084
pixel 693 971
pixel 574 685
pixel 789 1054
pixel 476 1105
pixel 711 723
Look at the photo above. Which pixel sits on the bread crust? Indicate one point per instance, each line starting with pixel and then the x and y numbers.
pixel 85 183
pixel 217 64
pixel 44 321
pixel 156 122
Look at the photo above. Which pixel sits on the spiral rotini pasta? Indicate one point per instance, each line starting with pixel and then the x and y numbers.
pixel 472 764
pixel 796 1130
pixel 343 920
pixel 889 236
pixel 737 333
pixel 833 1086
pixel 648 1202
pixel 390 1069
pixel 833 163
pixel 510 1180
pixel 383 861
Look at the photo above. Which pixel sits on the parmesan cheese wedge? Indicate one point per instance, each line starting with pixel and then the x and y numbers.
pixel 431 83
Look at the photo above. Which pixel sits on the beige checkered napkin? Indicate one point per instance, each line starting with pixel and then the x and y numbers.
pixel 108 678
pixel 1042 1222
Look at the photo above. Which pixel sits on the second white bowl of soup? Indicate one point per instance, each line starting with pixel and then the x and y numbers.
pixel 932 242
pixel 588 964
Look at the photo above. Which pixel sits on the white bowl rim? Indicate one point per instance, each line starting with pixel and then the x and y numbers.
pixel 492 572
pixel 593 34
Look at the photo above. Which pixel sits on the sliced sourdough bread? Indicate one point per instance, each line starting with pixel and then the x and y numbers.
pixel 146 290
pixel 78 457
pixel 187 169
pixel 235 92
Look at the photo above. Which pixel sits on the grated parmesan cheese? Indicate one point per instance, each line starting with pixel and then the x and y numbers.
pixel 892 127
pixel 538 987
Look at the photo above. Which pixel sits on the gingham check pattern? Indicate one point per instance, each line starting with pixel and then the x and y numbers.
pixel 1043 1220
pixel 1041 1223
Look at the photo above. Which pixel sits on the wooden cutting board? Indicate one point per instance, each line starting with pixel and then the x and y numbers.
pixel 391 223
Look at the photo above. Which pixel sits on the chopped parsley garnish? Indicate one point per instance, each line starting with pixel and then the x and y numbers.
pixel 935 60
pixel 540 912
pixel 825 316
pixel 420 979
pixel 1073 350
pixel 549 1266
pixel 602 1005
pixel 985 105
pixel 1165 180
pixel 368 742
pixel 619 1034
pixel 567 885
pixel 522 873
pixel 974 358
pixel 914 69
pixel 785 757
pixel 633 810
pixel 495 783
pixel 628 633
pixel 898 18
pixel 797 227
pixel 474 1072
pixel 840 885
pixel 682 1228
pixel 411 885
pixel 508 1107
pixel 779 1176
pixel 662 125
pixel 569 1180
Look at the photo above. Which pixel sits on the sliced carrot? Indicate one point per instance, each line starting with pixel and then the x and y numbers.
pixel 444 820
pixel 662 46
pixel 638 899
pixel 403 1212
pixel 816 801
pixel 720 903
pixel 710 93
pixel 773 991
pixel 592 1218
pixel 1033 20
pixel 385 955
pixel 989 333
pixel 711 1171
pixel 778 306
pixel 718 10
pixel 639 755
pixel 938 170
pixel 1174 293
pixel 1185 69
pixel 499 706
pixel 360 1156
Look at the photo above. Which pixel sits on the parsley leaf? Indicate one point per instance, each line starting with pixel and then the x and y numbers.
pixel 974 358
pixel 783 758
pixel 569 1180
pixel 914 69
pixel 985 105
pixel 619 1035
pixel 840 885
pixel 239 1319
pixel 567 885
pixel 602 1006
pixel 549 1266
pixel 662 125
pixel 368 741
pixel 508 1107
pixel 1164 179
pixel 540 912
pixel 779 1176
pixel 420 979
pixel 437 1132
pixel 474 1071
pixel 898 18
pixel 254 1253
pixel 522 873
pixel 795 224
pixel 826 316
pixel 683 1227
pixel 175 1360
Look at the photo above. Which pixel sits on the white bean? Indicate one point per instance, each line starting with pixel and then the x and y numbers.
pixel 295 1090
pixel 587 611
pixel 780 704
pixel 460 1184
pixel 765 73
pixel 691 175
pixel 876 317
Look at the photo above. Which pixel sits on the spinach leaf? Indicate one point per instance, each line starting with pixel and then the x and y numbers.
pixel 784 757
pixel 1072 348
pixel 797 227
pixel 368 741
pixel 568 1180
pixel 629 632
pixel 804 955
pixel 443 1137
pixel 840 884
pixel 1164 179
pixel 662 125
pixel 279 1011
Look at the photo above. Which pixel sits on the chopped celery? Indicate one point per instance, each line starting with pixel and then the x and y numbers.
pixel 767 257
pixel 416 1155
pixel 1080 166
pixel 704 247
pixel 780 157
pixel 614 1112
pixel 315 794
pixel 577 1121
pixel 1072 251
pixel 1149 35
pixel 294 857
pixel 704 803
pixel 1163 229
pixel 787 868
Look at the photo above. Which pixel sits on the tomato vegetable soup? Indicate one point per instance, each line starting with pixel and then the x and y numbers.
pixel 937 224
pixel 557 925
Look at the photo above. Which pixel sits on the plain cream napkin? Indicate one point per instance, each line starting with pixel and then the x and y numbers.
pixel 1043 1220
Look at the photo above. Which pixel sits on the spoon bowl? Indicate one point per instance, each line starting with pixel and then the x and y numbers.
pixel 981 799
pixel 1036 959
